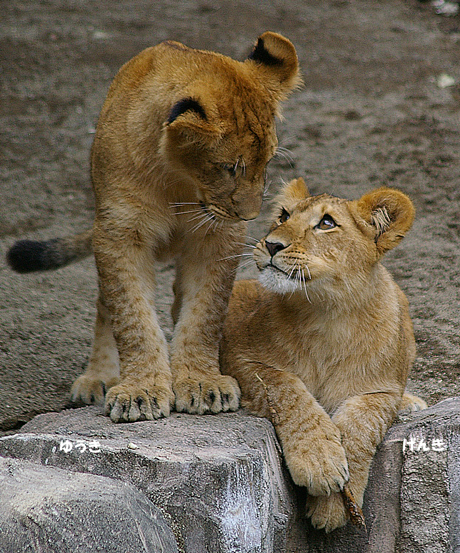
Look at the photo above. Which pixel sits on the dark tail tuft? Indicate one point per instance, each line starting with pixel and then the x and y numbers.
pixel 27 256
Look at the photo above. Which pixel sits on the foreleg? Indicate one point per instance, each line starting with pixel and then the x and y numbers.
pixel 310 441
pixel 362 421
pixel 127 279
pixel 206 271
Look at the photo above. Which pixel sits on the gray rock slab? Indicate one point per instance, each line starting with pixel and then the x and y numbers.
pixel 218 479
pixel 412 502
pixel 430 478
pixel 415 477
pixel 220 483
pixel 50 510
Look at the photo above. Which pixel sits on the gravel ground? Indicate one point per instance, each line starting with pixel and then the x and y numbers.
pixel 380 106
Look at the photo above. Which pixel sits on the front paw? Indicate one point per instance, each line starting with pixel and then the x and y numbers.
pixel 127 403
pixel 320 465
pixel 327 512
pixel 90 390
pixel 207 394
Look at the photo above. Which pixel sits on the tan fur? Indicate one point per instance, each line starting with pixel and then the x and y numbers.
pixel 324 345
pixel 177 165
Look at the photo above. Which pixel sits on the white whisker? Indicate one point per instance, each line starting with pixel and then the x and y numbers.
pixel 201 223
pixel 267 196
pixel 294 267
pixel 246 263
pixel 248 245
pixel 198 216
pixel 215 225
pixel 212 222
pixel 179 204
pixel 235 256
pixel 300 280
pixel 304 282
pixel 190 211
pixel 284 153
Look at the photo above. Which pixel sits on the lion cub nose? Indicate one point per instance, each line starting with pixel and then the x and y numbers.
pixel 274 247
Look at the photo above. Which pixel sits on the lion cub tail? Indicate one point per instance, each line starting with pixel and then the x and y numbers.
pixel 26 256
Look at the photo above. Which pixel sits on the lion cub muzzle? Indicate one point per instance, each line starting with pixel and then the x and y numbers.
pixel 248 204
pixel 274 247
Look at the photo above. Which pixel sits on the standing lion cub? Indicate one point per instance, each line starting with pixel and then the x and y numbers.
pixel 178 167
pixel 323 343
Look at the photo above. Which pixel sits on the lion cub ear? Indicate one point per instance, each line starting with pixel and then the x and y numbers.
pixel 388 214
pixel 290 195
pixel 276 59
pixel 295 190
pixel 189 121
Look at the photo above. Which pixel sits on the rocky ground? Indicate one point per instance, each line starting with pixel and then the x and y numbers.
pixel 380 106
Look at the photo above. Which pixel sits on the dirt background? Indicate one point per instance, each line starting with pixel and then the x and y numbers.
pixel 373 112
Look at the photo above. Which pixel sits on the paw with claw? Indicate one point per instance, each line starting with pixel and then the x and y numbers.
pixel 207 394
pixel 125 403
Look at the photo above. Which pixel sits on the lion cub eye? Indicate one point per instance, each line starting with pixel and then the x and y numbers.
pixel 326 223
pixel 229 168
pixel 284 216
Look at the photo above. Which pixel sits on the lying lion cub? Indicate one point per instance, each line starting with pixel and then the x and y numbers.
pixel 323 344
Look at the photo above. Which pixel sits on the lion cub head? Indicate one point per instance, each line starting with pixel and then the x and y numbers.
pixel 220 133
pixel 328 247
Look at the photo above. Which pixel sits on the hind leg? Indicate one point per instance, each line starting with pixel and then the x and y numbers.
pixel 410 403
pixel 103 369
pixel 178 295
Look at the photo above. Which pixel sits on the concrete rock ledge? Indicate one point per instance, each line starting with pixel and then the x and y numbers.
pixel 50 509
pixel 74 481
pixel 218 481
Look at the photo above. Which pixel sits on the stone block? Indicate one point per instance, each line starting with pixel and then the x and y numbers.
pixel 430 478
pixel 220 484
pixel 218 479
pixel 58 511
